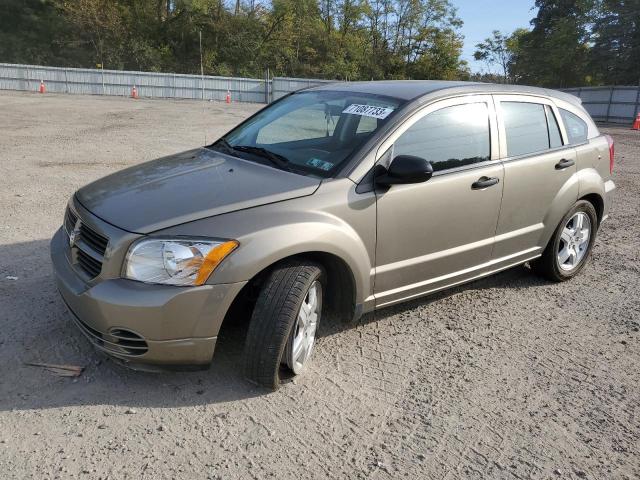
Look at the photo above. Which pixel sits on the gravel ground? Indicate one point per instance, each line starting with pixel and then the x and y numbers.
pixel 510 377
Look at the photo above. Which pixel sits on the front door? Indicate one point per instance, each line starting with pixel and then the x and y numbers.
pixel 440 232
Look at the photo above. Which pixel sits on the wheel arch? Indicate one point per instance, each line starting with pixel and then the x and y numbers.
pixel 597 201
pixel 594 198
pixel 341 287
pixel 593 190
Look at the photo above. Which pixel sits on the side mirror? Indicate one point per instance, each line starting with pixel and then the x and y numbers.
pixel 406 169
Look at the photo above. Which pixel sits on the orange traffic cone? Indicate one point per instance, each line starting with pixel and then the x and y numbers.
pixel 42 88
pixel 227 99
pixel 636 123
pixel 134 92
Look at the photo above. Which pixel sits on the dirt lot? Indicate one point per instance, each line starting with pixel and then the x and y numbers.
pixel 510 377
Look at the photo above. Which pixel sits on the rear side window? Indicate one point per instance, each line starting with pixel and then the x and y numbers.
pixel 450 137
pixel 525 126
pixel 575 126
pixel 555 140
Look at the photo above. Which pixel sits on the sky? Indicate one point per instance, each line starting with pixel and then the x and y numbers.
pixel 481 17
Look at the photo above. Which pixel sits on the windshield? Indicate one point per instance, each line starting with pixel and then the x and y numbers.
pixel 311 132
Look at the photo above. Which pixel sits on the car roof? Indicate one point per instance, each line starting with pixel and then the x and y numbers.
pixel 413 89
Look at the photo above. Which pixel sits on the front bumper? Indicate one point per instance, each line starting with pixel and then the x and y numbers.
pixel 141 323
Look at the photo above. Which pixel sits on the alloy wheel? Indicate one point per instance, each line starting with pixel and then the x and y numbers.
pixel 574 241
pixel 303 334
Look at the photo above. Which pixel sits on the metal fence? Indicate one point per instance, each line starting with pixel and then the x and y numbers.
pixel 605 104
pixel 283 85
pixel 609 104
pixel 148 84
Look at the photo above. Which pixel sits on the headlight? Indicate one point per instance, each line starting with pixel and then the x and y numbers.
pixel 175 261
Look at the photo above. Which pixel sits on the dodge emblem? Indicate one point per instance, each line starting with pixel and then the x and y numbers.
pixel 73 235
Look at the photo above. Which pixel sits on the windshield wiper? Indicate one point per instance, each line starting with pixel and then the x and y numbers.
pixel 224 144
pixel 278 160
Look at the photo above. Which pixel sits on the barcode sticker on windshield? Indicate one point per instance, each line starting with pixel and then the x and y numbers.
pixel 368 111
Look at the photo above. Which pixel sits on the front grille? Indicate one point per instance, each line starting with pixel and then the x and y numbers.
pixel 118 341
pixel 88 246
pixel 70 220
pixel 90 265
pixel 96 241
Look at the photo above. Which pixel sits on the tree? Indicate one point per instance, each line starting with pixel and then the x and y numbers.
pixel 98 23
pixel 495 51
pixel 615 56
pixel 555 52
pixel 341 39
pixel 37 32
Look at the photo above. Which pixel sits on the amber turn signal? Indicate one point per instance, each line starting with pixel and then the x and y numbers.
pixel 213 259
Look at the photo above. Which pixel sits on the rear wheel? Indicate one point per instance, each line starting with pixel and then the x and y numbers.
pixel 284 322
pixel 571 244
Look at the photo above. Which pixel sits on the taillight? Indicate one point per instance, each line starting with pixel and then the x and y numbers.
pixel 612 150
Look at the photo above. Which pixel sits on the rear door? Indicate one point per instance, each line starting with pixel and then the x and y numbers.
pixel 540 182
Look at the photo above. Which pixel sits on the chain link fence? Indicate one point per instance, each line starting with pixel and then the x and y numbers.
pixel 616 104
pixel 148 84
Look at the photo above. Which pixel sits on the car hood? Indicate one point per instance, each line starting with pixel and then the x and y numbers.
pixel 188 186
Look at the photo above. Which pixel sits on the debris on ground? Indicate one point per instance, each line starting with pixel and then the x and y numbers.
pixel 59 370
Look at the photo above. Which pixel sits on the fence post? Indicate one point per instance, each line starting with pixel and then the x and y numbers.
pixel 274 83
pixel 637 110
pixel 609 104
pixel 202 84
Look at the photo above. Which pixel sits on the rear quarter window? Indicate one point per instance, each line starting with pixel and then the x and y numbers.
pixel 577 129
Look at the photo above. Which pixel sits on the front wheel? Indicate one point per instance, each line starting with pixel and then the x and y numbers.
pixel 282 331
pixel 571 244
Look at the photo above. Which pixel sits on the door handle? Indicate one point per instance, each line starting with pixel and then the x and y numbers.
pixel 484 182
pixel 564 163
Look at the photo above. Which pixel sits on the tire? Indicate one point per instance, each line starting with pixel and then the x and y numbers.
pixel 549 265
pixel 269 338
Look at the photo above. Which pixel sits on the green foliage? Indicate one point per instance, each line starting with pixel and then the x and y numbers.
pixel 579 42
pixel 343 39
pixel 495 50
pixel 615 56
pixel 570 43
pixel 555 52
pixel 38 31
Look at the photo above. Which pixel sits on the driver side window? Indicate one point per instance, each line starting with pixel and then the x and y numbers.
pixel 450 137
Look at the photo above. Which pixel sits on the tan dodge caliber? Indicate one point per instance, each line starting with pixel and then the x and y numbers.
pixel 343 198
